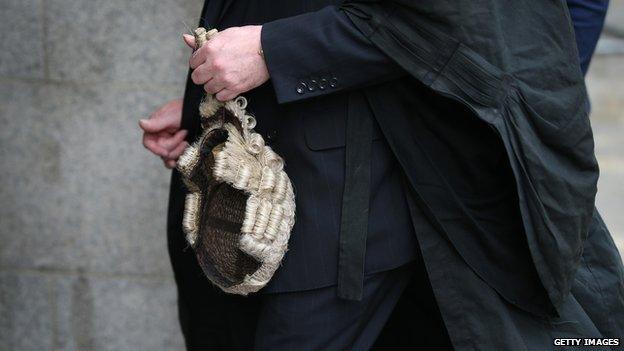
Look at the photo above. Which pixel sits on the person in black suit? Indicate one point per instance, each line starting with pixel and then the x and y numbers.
pixel 323 92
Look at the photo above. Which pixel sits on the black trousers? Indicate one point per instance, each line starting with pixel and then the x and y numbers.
pixel 398 311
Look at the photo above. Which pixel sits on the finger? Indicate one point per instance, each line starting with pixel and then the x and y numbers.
pixel 201 74
pixel 199 56
pixel 171 142
pixel 157 124
pixel 170 164
pixel 226 95
pixel 179 150
pixel 189 40
pixel 214 86
pixel 150 143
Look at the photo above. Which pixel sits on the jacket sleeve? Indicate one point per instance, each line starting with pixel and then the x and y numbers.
pixel 319 53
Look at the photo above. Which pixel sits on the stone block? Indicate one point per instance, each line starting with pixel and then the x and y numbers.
pixel 603 79
pixel 118 40
pixel 22 44
pixel 26 313
pixel 615 16
pixel 605 75
pixel 106 313
pixel 79 191
pixel 609 200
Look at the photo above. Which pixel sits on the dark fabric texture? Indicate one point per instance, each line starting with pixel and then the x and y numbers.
pixel 354 218
pixel 314 49
pixel 537 110
pixel 488 182
pixel 599 282
pixel 478 318
pixel 316 320
pixel 477 209
pixel 588 18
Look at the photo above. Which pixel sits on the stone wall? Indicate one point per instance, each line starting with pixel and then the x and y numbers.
pixel 605 84
pixel 83 258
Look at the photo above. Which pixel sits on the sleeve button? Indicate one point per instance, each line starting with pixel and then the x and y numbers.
pixel 333 82
pixel 301 88
pixel 322 84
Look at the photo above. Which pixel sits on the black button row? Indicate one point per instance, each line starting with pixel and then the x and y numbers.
pixel 314 84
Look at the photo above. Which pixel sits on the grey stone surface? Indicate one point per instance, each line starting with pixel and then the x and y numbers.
pixel 84 193
pixel 610 45
pixel 101 313
pixel 37 216
pixel 615 16
pixel 22 45
pixel 130 41
pixel 26 313
pixel 83 258
pixel 610 198
pixel 604 84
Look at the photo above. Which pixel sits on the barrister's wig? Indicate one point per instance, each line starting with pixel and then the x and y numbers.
pixel 241 206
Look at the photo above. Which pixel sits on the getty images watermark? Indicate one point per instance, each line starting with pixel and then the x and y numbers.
pixel 586 342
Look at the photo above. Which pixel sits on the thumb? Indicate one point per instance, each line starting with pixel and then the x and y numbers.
pixel 154 125
pixel 189 40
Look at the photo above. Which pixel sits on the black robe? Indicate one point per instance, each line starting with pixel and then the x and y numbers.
pixel 514 67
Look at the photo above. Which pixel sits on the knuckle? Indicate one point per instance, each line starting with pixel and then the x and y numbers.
pixel 217 65
pixel 205 50
pixel 234 90
pixel 210 89
pixel 211 47
pixel 229 81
